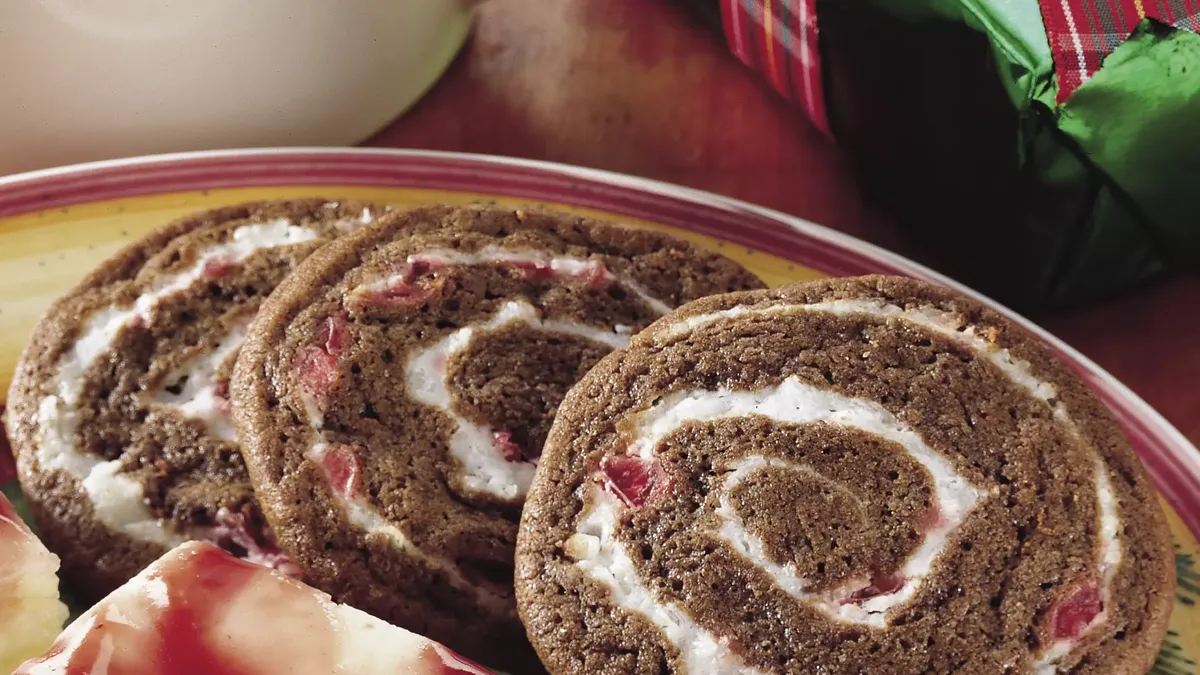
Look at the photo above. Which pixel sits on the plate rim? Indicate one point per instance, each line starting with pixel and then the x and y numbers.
pixel 1174 463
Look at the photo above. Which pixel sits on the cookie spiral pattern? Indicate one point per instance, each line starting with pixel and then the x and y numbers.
pixel 398 388
pixel 855 475
pixel 120 407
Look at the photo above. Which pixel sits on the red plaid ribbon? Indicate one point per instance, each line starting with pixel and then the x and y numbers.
pixel 779 39
pixel 1083 32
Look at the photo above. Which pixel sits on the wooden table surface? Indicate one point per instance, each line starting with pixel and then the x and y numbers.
pixel 640 87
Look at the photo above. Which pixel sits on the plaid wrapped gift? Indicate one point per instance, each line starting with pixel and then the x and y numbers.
pixel 1083 32
pixel 1050 146
pixel 779 38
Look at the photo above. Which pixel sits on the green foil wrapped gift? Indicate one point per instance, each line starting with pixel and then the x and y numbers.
pixel 1051 148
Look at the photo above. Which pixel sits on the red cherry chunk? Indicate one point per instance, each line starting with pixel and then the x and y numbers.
pixel 532 270
pixel 399 293
pixel 316 370
pixel 636 481
pixel 342 469
pixel 217 265
pixel 317 364
pixel 1072 615
pixel 334 334
pixel 419 266
pixel 406 288
pixel 502 441
pixel 221 397
pixel 235 532
pixel 881 584
pixel 933 519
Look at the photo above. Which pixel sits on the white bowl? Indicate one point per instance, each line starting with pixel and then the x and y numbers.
pixel 82 80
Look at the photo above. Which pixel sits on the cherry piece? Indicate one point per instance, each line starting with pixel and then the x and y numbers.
pixel 217 265
pixel 531 270
pixel 406 288
pixel 881 584
pixel 399 293
pixel 502 441
pixel 1072 615
pixel 636 481
pixel 419 266
pixel 317 364
pixel 334 334
pixel 933 519
pixel 223 406
pixel 236 533
pixel 342 469
pixel 316 370
pixel 221 398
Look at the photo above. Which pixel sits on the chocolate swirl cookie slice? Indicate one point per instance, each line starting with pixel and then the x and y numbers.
pixel 396 391
pixel 857 475
pixel 119 411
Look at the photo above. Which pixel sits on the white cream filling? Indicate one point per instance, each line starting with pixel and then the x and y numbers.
pixel 197 397
pixel 702 652
pixel 1110 563
pixel 473 444
pixel 564 265
pixel 118 501
pixel 363 515
pixel 870 612
pixel 940 321
pixel 1018 371
pixel 485 469
pixel 1045 664
pixel 360 513
pixel 733 527
pixel 351 224
pixel 794 402
pixel 1110 523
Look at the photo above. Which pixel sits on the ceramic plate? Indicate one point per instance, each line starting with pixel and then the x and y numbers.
pixel 56 225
